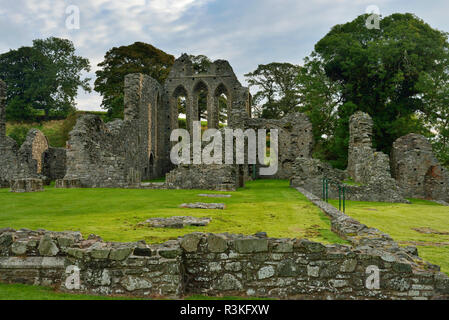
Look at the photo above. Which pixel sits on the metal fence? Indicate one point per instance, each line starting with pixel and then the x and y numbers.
pixel 341 188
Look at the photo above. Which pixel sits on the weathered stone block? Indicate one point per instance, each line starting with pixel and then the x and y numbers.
pixel 251 245
pixel 217 243
pixel 19 248
pixel 266 272
pixel 229 283
pixel 47 247
pixel 131 283
pixel 170 253
pixel 348 265
pixel 288 268
pixel 27 185
pixel 67 183
pixel 120 254
pixel 190 242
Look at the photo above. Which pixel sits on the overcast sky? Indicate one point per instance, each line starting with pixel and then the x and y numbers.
pixel 245 32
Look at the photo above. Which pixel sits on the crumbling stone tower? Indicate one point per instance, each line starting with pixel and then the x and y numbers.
pixel 365 163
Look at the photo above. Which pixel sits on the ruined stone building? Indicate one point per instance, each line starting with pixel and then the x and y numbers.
pixel 369 169
pixel 28 160
pixel 417 170
pixel 125 152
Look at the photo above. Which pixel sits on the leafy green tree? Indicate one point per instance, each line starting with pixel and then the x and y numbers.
pixel 30 78
pixel 277 89
pixel 435 98
pixel 120 61
pixel 320 99
pixel 378 72
pixel 69 70
pixel 43 78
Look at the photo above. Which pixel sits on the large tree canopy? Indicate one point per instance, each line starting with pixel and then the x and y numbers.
pixel 44 77
pixel 378 72
pixel 276 85
pixel 118 62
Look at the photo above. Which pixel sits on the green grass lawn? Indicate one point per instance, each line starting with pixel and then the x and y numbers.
pixel 401 220
pixel 264 205
pixel 27 292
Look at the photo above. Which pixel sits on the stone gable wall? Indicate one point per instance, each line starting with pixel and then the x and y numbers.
pixel 122 153
pixel 295 140
pixel 417 170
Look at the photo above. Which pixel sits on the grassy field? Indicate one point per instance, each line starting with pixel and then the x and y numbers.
pixel 27 292
pixel 423 223
pixel 266 205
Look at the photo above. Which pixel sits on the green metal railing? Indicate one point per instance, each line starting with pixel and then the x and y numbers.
pixel 341 192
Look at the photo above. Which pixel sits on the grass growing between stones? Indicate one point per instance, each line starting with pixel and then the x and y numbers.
pixel 27 292
pixel 423 223
pixel 114 214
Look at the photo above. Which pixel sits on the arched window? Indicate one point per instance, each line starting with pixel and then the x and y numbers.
pixel 222 104
pixel 200 110
pixel 179 107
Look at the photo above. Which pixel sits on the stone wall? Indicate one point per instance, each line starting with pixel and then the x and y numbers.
pixel 364 163
pixel 215 265
pixel 295 140
pixel 370 170
pixel 122 153
pixel 417 170
pixel 309 175
pixel 26 162
pixel 30 155
pixel 206 177
pixel 41 258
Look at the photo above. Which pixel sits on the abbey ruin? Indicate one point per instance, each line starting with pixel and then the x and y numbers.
pixel 131 152
pixel 124 153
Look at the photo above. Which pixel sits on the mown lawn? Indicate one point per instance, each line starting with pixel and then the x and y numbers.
pixel 266 205
pixel 27 292
pixel 423 223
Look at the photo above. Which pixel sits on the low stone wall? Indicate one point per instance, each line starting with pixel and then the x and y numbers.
pixel 27 185
pixel 42 258
pixel 214 265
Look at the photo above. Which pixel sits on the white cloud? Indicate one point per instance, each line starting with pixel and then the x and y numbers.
pixel 246 33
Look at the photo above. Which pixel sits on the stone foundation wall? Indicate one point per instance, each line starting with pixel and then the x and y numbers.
pixel 217 264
